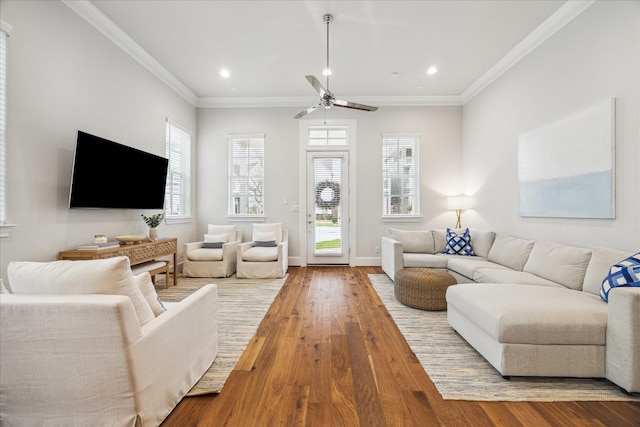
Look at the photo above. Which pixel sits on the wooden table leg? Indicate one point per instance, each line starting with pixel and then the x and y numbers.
pixel 175 268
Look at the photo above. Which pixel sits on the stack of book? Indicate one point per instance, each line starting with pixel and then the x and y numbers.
pixel 97 246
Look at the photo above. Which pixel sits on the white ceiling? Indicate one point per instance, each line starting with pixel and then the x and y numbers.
pixel 269 46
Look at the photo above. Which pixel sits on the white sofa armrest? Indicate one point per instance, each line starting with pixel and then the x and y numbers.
pixel 623 338
pixel 230 251
pixel 175 350
pixel 392 260
pixel 64 358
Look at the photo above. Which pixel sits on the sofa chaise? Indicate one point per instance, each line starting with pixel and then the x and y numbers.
pixel 86 343
pixel 532 308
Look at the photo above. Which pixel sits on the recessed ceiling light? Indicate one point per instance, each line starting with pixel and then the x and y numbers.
pixel 225 73
pixel 432 70
pixel 326 72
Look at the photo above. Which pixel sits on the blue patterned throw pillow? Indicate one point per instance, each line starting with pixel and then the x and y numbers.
pixel 625 273
pixel 459 245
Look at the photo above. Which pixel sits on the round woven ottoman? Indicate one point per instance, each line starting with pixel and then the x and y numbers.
pixel 423 288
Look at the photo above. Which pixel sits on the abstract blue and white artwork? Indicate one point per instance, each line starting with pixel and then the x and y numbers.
pixel 566 168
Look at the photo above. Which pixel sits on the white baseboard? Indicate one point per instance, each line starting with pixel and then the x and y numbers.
pixel 368 262
pixel 359 262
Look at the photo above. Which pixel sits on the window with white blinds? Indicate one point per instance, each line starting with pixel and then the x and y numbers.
pixel 246 175
pixel 4 34
pixel 327 135
pixel 177 199
pixel 400 175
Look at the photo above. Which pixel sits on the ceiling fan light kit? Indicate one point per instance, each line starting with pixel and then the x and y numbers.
pixel 327 99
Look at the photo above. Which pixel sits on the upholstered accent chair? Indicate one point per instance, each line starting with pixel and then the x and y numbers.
pixel 215 256
pixel 87 343
pixel 267 255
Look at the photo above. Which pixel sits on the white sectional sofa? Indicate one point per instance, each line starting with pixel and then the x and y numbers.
pixel 532 308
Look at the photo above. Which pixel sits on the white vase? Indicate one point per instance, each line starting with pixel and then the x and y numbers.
pixel 153 233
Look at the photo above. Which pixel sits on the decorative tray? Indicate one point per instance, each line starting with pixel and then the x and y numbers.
pixel 131 239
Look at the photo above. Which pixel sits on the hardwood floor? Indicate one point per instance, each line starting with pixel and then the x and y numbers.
pixel 328 354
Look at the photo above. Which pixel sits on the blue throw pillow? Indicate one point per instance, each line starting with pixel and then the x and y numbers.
pixel 459 245
pixel 623 274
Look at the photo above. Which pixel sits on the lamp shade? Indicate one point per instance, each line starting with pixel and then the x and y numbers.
pixel 461 202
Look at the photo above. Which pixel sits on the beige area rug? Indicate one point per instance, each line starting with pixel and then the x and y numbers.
pixel 461 373
pixel 242 304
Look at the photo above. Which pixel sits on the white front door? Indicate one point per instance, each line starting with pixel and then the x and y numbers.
pixel 327 208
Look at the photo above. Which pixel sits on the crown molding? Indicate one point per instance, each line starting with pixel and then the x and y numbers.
pixel 95 17
pixel 549 27
pixel 86 10
pixel 305 101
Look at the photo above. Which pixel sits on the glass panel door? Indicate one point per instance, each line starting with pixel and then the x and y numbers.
pixel 327 213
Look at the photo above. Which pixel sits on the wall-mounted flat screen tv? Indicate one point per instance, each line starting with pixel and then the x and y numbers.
pixel 107 174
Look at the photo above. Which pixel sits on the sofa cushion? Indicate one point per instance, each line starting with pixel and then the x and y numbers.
pixel 216 238
pixel 459 244
pixel 260 254
pixel 214 241
pixel 205 254
pixel 144 283
pixel 229 230
pixel 482 240
pixel 274 227
pixel 417 241
pixel 559 263
pixel 110 276
pixel 440 239
pixel 424 260
pixel 528 314
pixel 494 275
pixel 601 261
pixel 264 238
pixel 622 274
pixel 510 251
pixel 467 265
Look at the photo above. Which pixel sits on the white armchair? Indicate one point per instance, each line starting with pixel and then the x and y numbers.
pixel 215 256
pixel 102 357
pixel 267 255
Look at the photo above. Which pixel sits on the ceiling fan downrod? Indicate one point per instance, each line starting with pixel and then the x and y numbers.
pixel 327 19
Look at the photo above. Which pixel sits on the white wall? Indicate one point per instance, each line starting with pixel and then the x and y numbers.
pixel 63 75
pixel 440 128
pixel 593 58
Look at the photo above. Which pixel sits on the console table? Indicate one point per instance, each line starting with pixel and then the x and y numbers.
pixel 138 253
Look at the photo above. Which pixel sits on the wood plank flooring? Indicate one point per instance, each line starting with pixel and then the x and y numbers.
pixel 328 354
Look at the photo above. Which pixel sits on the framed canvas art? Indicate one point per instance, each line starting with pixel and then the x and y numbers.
pixel 566 168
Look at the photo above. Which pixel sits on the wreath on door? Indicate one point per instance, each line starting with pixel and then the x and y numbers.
pixel 327 194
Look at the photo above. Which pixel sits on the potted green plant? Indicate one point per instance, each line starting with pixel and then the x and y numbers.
pixel 153 221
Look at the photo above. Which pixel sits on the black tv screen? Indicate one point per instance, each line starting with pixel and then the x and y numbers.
pixel 111 175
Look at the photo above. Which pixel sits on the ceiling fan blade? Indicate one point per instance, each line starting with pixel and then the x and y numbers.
pixel 307 111
pixel 316 85
pixel 353 105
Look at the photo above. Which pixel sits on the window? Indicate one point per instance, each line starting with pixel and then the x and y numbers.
pixel 5 29
pixel 246 175
pixel 327 135
pixel 400 175
pixel 177 203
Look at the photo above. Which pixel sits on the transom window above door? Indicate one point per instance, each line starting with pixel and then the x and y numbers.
pixel 323 136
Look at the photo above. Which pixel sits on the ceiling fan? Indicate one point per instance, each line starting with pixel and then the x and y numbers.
pixel 327 100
